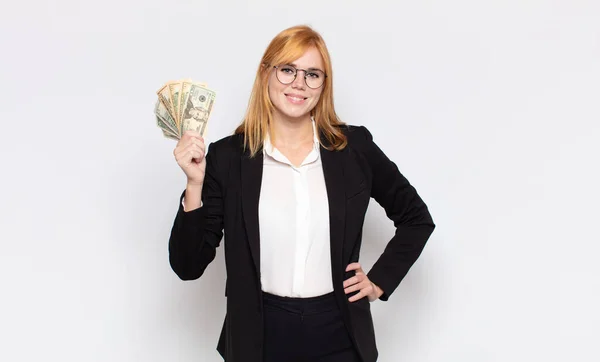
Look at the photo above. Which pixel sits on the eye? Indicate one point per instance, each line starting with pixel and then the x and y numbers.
pixel 315 75
pixel 287 69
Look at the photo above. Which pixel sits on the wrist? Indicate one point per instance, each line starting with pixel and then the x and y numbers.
pixel 194 184
pixel 378 291
pixel 193 197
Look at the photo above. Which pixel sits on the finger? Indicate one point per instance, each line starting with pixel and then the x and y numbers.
pixel 201 145
pixel 197 154
pixel 187 139
pixel 366 289
pixel 190 133
pixel 192 141
pixel 354 280
pixel 195 146
pixel 182 144
pixel 191 147
pixel 358 286
pixel 357 296
pixel 350 281
pixel 185 158
pixel 363 285
pixel 352 288
pixel 188 157
pixel 353 266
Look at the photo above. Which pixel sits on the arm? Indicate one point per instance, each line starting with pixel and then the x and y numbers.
pixel 406 209
pixel 196 234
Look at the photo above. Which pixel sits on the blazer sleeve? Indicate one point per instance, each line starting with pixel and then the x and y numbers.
pixel 196 234
pixel 406 209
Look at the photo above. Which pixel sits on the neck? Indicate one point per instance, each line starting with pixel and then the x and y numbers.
pixel 292 133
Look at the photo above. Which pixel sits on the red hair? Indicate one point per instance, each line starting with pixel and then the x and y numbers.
pixel 285 48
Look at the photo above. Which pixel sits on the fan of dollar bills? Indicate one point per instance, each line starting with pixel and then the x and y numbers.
pixel 183 105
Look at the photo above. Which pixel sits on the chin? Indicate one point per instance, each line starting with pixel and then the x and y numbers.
pixel 298 114
pixel 295 112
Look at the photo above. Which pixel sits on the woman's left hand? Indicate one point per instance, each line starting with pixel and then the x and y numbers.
pixel 361 282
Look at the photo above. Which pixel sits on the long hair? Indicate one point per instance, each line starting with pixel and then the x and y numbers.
pixel 286 47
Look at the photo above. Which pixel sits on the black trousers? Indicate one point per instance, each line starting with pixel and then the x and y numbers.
pixel 305 330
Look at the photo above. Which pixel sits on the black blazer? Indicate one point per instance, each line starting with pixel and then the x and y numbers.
pixel 230 199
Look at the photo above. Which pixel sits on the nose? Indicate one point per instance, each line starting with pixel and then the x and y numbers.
pixel 299 82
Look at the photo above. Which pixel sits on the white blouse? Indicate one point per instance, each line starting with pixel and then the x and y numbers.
pixel 293 218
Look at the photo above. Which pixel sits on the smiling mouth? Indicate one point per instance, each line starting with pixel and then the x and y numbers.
pixel 295 98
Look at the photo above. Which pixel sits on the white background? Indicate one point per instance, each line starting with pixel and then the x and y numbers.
pixel 490 108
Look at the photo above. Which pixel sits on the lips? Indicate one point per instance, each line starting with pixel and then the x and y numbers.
pixel 295 98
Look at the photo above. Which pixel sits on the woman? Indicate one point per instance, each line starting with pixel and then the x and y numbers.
pixel 289 191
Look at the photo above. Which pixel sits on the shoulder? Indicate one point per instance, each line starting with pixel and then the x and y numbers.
pixel 361 143
pixel 227 146
pixel 358 137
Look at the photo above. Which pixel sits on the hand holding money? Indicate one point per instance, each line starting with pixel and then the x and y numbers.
pixel 183 105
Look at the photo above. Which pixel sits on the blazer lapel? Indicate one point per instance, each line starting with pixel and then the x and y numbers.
pixel 251 179
pixel 333 170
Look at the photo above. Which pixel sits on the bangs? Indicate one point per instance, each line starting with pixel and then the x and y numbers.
pixel 292 52
pixel 291 48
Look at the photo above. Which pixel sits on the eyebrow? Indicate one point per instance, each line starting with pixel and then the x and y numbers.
pixel 295 66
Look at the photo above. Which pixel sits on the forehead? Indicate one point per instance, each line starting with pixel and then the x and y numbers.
pixel 310 59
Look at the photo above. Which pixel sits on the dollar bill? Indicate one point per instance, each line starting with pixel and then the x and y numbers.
pixel 164 95
pixel 186 85
pixel 184 91
pixel 197 108
pixel 165 128
pixel 170 135
pixel 164 118
pixel 175 91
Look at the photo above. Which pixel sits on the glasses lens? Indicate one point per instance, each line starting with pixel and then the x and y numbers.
pixel 286 74
pixel 315 78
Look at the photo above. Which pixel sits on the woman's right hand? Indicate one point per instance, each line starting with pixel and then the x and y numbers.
pixel 189 154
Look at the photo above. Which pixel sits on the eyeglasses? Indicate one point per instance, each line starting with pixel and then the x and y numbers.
pixel 286 74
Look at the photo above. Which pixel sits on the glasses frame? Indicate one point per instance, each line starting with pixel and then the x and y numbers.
pixel 296 75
